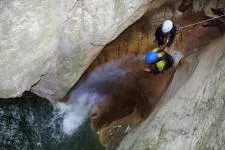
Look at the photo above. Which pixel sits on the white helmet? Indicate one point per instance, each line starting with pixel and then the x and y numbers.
pixel 167 26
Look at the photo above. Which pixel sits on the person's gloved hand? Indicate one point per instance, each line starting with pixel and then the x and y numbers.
pixel 166 50
pixel 147 70
pixel 161 47
pixel 178 31
pixel 167 40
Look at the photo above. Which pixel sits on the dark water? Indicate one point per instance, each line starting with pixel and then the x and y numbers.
pixel 31 122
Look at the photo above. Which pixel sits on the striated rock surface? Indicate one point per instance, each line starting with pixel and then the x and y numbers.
pixel 190 114
pixel 47 45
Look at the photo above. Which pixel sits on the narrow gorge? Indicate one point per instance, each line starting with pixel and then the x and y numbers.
pixel 87 59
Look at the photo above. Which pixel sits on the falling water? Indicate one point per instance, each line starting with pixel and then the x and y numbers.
pixel 31 122
pixel 98 84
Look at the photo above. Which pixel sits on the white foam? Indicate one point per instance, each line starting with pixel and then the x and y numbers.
pixel 177 56
pixel 71 122
pixel 76 111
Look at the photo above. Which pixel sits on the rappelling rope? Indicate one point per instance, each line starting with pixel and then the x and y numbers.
pixel 201 22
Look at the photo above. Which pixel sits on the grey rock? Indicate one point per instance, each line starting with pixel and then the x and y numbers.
pixel 206 5
pixel 28 39
pixel 46 45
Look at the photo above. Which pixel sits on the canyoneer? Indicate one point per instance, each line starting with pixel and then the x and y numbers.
pixel 165 34
pixel 160 61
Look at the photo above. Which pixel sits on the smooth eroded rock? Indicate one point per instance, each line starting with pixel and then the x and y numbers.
pixel 47 45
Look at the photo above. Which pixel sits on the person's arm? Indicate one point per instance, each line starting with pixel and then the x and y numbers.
pixel 159 36
pixel 171 39
pixel 155 70
pixel 172 35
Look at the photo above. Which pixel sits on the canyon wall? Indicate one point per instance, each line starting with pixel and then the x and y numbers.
pixel 46 45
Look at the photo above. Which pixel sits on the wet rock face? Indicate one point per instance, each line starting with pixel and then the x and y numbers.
pixel 191 112
pixel 119 100
pixel 128 95
pixel 119 95
pixel 52 43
